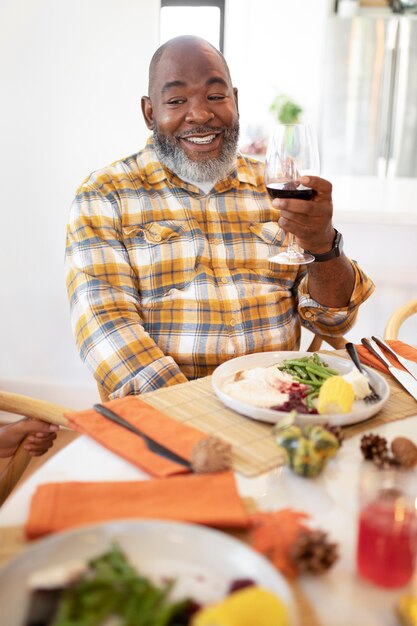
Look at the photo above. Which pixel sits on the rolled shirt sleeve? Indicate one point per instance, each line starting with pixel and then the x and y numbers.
pixel 329 321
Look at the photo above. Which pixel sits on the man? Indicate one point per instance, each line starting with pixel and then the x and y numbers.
pixel 167 250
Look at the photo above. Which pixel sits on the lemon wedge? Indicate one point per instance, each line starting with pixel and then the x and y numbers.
pixel 246 607
pixel 336 396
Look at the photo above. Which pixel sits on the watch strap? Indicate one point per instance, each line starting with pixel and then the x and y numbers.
pixel 333 253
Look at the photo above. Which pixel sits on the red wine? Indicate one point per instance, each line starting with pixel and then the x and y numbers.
pixel 280 190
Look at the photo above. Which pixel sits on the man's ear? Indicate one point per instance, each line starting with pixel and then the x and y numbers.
pixel 147 111
pixel 236 98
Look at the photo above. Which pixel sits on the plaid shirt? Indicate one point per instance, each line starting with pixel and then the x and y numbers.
pixel 166 282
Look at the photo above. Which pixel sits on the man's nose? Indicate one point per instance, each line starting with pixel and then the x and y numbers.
pixel 199 113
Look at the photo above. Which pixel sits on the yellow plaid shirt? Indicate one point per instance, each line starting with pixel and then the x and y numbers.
pixel 166 282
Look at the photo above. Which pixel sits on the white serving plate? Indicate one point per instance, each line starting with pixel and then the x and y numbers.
pixel 203 561
pixel 361 410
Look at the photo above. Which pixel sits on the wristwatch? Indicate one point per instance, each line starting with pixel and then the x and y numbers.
pixel 335 251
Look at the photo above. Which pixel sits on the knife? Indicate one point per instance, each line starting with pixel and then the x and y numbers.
pixel 404 378
pixel 409 365
pixel 151 444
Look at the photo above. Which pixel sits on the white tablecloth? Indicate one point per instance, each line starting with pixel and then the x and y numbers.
pixel 339 596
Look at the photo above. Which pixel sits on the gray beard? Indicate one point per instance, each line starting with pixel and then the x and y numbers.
pixel 171 154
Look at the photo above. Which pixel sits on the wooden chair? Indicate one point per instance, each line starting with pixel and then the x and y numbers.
pixel 28 407
pixel 338 342
pixel 395 321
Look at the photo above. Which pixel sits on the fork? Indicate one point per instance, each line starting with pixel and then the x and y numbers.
pixel 351 350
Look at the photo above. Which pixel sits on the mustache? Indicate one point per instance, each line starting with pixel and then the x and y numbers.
pixel 201 129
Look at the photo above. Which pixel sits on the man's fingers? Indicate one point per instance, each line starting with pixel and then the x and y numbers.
pixel 321 185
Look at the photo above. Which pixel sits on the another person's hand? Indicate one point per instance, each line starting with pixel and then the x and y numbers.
pixel 39 437
pixel 309 220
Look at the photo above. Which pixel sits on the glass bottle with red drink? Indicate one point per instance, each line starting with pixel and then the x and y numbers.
pixel 387 526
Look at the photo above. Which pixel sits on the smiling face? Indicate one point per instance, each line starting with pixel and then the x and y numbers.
pixel 192 109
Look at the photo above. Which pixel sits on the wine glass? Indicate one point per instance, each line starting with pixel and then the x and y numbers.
pixel 292 152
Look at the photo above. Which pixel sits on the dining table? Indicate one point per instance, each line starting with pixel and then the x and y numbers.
pixel 336 597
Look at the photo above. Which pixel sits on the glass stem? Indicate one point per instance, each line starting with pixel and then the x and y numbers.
pixel 292 250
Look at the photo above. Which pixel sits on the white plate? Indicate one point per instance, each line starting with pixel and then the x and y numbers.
pixel 361 410
pixel 202 560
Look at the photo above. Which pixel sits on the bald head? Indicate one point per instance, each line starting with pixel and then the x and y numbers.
pixel 187 43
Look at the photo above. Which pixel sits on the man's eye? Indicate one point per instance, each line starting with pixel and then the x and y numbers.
pixel 216 97
pixel 176 101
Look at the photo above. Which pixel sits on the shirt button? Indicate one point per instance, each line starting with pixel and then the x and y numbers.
pixel 308 314
pixel 216 241
pixel 224 280
pixel 156 237
pixel 235 320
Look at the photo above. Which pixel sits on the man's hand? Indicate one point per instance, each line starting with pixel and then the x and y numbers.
pixel 330 283
pixel 309 220
pixel 39 437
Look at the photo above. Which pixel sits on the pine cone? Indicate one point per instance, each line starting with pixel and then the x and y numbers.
pixel 211 455
pixel 384 461
pixel 312 553
pixel 336 431
pixel 373 446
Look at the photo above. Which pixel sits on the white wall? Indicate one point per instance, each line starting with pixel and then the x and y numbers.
pixel 72 74
pixel 274 47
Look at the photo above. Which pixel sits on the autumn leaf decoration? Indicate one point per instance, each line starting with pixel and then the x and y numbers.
pixel 285 539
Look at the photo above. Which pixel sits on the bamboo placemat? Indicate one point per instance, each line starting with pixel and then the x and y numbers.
pixel 254 449
pixel 195 403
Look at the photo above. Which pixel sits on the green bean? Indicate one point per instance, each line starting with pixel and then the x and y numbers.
pixel 315 369
pixel 313 377
pixel 310 370
pixel 301 362
pixel 309 400
pixel 301 371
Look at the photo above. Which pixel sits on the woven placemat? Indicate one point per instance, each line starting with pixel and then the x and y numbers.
pixel 195 403
pixel 254 449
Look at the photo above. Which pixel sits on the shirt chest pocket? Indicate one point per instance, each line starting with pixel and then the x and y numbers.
pixel 163 255
pixel 268 232
pixel 264 240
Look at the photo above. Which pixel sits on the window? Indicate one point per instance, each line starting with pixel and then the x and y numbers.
pixel 203 18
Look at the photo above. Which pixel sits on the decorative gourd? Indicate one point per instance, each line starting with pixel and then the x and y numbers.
pixel 307 448
pixel 288 437
pixel 326 443
pixel 305 461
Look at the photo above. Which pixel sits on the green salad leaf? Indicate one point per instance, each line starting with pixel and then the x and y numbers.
pixel 112 587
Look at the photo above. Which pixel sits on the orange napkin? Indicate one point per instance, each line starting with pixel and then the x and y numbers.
pixel 210 499
pixel 403 349
pixel 176 436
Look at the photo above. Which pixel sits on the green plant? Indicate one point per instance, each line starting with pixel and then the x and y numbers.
pixel 286 110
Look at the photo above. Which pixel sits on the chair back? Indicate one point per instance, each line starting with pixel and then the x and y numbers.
pixel 397 318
